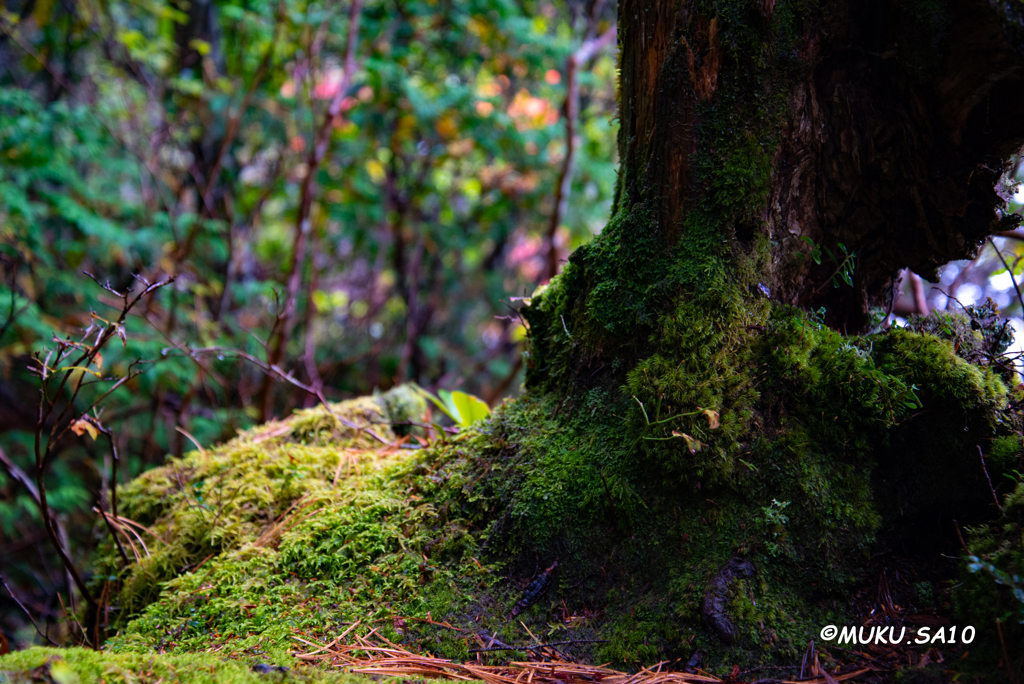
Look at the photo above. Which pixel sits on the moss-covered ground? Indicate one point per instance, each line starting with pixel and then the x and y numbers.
pixel 296 528
pixel 85 666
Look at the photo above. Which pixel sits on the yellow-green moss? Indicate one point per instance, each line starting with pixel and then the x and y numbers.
pixel 215 501
pixel 83 666
pixel 301 528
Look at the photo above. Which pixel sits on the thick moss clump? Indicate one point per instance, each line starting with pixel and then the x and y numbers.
pixel 641 551
pixel 785 444
pixel 296 527
pixel 209 503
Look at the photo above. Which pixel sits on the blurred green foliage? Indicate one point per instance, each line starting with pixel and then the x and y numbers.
pixel 353 215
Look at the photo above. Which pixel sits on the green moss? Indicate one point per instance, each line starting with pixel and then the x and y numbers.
pixel 611 289
pixel 701 367
pixel 1005 453
pixel 209 503
pixel 618 292
pixel 932 460
pixel 824 440
pixel 978 334
pixel 83 666
pixel 403 405
pixel 272 534
pixel 573 488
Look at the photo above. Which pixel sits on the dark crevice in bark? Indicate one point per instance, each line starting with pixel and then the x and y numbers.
pixel 893 154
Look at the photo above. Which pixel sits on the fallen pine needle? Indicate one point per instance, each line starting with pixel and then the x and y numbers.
pixel 363 656
pixel 835 678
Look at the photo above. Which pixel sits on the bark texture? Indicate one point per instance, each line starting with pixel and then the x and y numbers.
pixel 879 127
pixel 895 144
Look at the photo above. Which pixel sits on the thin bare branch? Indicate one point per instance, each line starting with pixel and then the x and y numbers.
pixel 303 223
pixel 278 373
pixel 27 614
pixel 981 456
pixel 571 112
pixel 1013 279
pixel 59 428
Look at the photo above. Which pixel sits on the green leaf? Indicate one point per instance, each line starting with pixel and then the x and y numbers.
pixel 470 408
pixel 451 409
pixel 464 409
pixel 438 403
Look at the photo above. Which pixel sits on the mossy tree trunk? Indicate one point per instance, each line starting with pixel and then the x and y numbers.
pixel 749 128
pixel 781 163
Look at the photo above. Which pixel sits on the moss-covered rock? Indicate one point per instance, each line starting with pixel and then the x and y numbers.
pixel 297 527
pixel 210 503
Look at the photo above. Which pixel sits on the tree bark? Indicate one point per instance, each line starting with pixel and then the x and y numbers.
pixel 884 128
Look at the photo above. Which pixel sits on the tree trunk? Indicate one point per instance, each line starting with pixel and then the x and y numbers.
pixel 781 163
pixel 756 129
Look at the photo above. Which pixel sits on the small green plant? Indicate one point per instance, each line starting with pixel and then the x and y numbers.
pixel 693 445
pixel 775 521
pixel 464 409
pixel 773 514
pixel 844 266
pixel 1014 582
pixel 817 316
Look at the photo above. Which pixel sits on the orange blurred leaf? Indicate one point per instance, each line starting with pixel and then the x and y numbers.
pixel 82 426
